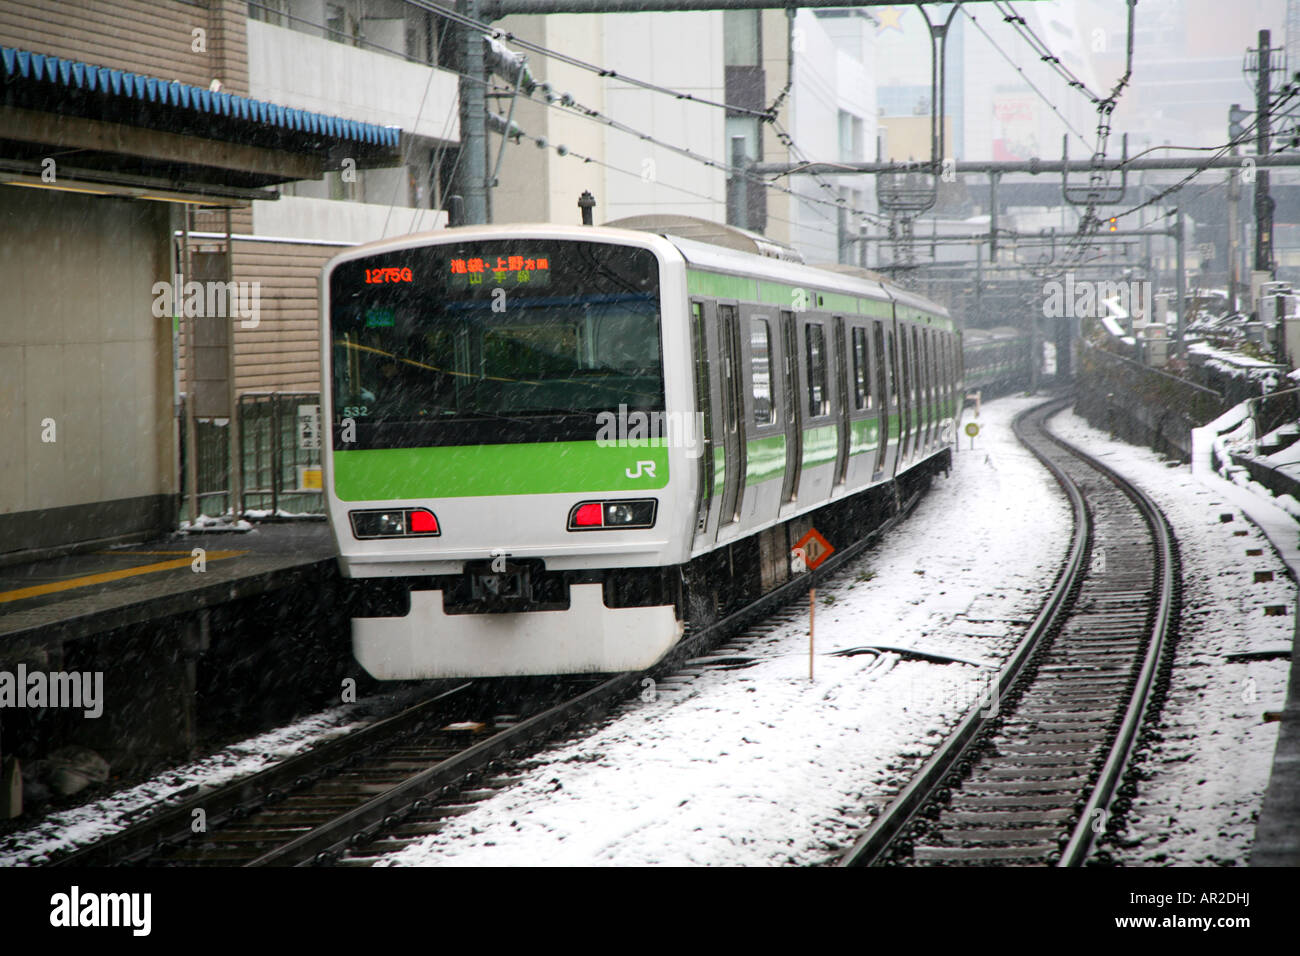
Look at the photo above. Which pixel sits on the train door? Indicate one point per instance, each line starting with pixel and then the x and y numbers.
pixel 764 423
pixel 733 427
pixel 842 391
pixel 927 386
pixel 793 408
pixel 904 397
pixel 704 400
pixel 882 386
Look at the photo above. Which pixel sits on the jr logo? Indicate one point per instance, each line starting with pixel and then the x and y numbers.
pixel 646 468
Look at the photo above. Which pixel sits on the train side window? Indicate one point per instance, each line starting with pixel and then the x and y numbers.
pixel 819 401
pixel 760 352
pixel 861 385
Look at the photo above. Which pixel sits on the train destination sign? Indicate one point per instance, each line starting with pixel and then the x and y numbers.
pixel 515 270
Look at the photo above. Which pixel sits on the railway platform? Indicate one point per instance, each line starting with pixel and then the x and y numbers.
pixel 188 637
pixel 76 596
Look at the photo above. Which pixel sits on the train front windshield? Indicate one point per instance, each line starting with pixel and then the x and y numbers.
pixel 491 342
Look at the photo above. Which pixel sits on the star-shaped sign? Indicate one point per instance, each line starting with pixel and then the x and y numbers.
pixel 889 17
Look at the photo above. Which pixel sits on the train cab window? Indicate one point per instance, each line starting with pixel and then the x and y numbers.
pixel 760 354
pixel 819 399
pixel 861 381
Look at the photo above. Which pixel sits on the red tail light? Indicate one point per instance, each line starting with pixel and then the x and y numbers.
pixel 617 515
pixel 423 522
pixel 590 515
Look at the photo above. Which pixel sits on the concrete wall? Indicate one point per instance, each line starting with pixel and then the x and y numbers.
pixel 79 345
pixel 682 51
pixel 154 37
pixel 831 74
pixel 310 73
pixel 297 217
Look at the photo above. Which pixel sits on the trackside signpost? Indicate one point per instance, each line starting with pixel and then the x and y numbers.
pixel 972 429
pixel 808 552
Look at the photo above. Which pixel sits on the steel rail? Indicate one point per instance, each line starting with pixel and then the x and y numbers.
pixel 173 825
pixel 1121 752
pixel 900 812
pixel 1100 805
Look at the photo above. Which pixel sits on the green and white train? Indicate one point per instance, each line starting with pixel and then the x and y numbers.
pixel 553 447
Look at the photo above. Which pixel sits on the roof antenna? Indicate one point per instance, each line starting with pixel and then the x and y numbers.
pixel 455 210
pixel 586 202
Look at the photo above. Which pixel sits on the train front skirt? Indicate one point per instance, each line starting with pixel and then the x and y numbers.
pixel 587 638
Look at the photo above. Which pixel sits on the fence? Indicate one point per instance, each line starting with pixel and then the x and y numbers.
pixel 1144 405
pixel 1272 411
pixel 280 473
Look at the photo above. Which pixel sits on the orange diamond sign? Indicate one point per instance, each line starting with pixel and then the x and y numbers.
pixel 816 549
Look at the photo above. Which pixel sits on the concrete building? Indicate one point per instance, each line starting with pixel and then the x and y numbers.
pixel 116 117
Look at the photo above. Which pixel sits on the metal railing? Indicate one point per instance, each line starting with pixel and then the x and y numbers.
pixel 1274 410
pixel 279 459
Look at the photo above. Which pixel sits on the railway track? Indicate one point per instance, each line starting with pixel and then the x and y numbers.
pixel 378 788
pixel 1035 773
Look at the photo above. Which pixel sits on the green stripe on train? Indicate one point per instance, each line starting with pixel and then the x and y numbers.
pixel 718 286
pixel 864 435
pixel 820 445
pixel 466 471
pixel 764 459
pixel 796 298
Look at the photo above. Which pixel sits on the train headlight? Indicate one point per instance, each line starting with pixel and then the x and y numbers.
pixel 628 513
pixel 394 523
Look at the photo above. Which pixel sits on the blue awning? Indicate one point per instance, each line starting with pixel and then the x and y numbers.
pixel 54 71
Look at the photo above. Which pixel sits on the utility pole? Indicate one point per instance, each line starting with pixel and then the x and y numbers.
pixel 1263 201
pixel 474 119
pixel 1181 347
pixel 1236 129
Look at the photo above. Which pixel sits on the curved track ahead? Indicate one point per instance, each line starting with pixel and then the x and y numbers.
pixel 1034 774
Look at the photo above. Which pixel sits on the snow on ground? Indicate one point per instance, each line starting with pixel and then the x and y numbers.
pixel 760 765
pixel 1210 763
pixel 84 824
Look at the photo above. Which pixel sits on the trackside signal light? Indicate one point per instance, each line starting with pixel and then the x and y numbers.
pixel 612 515
pixel 1114 224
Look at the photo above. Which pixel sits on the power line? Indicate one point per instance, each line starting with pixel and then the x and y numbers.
pixel 1043 50
pixel 1025 77
pixel 498 34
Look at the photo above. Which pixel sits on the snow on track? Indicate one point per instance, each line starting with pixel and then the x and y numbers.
pixel 1210 763
pixel 758 766
pixel 94 820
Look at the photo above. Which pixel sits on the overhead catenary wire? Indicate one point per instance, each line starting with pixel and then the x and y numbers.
pixel 1024 76
pixel 499 34
pixel 1044 52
